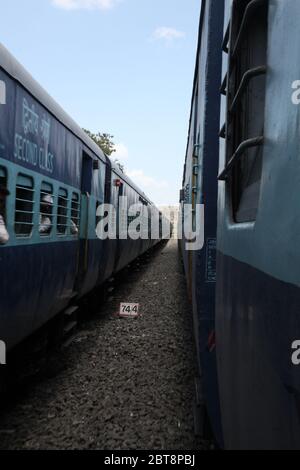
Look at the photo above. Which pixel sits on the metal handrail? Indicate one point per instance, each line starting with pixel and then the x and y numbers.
pixel 247 77
pixel 255 142
pixel 226 39
pixel 250 10
pixel 224 86
pixel 196 148
pixel 222 133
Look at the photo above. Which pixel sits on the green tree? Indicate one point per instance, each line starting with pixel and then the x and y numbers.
pixel 104 141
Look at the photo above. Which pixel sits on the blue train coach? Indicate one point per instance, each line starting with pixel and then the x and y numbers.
pixel 258 276
pixel 251 382
pixel 199 187
pixel 51 168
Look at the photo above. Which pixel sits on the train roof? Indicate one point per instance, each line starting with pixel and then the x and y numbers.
pixel 127 180
pixel 20 75
pixel 13 68
pixel 202 12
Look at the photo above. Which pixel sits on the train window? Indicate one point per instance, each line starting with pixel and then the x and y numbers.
pixel 46 209
pixel 160 225
pixel 98 219
pixel 24 206
pixel 246 105
pixel 143 201
pixel 3 186
pixel 62 212
pixel 87 173
pixel 75 214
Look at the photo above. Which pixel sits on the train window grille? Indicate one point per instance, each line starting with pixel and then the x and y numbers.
pixel 98 218
pixel 195 160
pixel 187 194
pixel 143 201
pixel 46 210
pixel 138 228
pixel 3 183
pixel 24 207
pixel 195 182
pixel 148 220
pixel 62 212
pixel 131 202
pixel 245 41
pixel 75 212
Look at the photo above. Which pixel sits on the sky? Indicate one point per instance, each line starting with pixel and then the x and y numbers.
pixel 124 67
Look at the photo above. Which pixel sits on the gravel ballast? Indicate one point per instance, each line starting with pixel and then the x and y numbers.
pixel 123 383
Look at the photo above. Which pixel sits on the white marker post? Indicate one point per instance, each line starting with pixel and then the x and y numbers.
pixel 129 310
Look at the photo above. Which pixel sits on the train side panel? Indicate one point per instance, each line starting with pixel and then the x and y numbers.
pixel 34 153
pixel 44 154
pixel 257 304
pixel 200 188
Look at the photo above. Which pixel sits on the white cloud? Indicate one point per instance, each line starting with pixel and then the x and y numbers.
pixel 144 181
pixel 160 191
pixel 121 152
pixel 167 34
pixel 84 4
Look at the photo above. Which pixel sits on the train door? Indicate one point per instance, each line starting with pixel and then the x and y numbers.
pixel 86 187
pixel 118 192
pixel 194 186
pixel 204 163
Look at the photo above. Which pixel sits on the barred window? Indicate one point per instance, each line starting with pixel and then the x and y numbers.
pixel 3 184
pixel 98 219
pixel 246 92
pixel 46 209
pixel 75 214
pixel 24 206
pixel 62 212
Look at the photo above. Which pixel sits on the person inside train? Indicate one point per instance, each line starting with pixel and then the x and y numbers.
pixel 74 228
pixel 45 215
pixel 4 235
pixel 74 217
